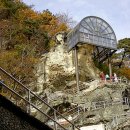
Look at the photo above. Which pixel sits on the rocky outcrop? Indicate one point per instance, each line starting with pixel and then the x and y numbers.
pixel 57 67
pixel 97 102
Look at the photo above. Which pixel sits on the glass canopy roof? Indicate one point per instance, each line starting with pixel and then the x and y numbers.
pixel 92 30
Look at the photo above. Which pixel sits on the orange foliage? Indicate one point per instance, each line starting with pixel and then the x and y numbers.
pixel 51 23
pixel 28 14
pixel 15 64
pixel 25 35
pixel 125 72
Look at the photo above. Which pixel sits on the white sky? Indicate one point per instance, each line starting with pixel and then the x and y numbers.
pixel 115 12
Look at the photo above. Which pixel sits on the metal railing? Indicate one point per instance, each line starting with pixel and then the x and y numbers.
pixel 92 107
pixel 26 99
pixel 80 109
pixel 117 120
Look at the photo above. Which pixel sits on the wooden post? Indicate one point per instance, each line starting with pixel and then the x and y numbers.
pixel 55 125
pixel 110 67
pixel 76 68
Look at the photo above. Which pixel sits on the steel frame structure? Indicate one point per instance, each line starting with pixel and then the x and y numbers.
pixel 97 32
pixel 92 30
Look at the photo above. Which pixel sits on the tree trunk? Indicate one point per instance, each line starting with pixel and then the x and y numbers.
pixel 122 60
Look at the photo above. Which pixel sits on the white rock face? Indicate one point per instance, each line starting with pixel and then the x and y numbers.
pixel 60 57
pixel 57 58
pixel 59 63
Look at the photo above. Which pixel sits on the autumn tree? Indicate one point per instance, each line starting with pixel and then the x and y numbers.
pixel 66 19
pixel 25 36
pixel 51 23
pixel 124 45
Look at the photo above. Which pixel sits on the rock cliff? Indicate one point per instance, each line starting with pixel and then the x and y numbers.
pixel 97 102
pixel 57 67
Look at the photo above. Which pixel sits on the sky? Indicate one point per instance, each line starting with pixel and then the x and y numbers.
pixel 114 12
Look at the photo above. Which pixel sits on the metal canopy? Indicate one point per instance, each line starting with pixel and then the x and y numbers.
pixel 92 30
pixel 97 32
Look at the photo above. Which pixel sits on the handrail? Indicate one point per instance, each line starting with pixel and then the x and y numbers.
pixel 104 105
pixel 31 104
pixel 5 72
pixel 13 78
